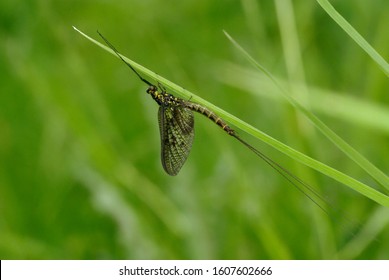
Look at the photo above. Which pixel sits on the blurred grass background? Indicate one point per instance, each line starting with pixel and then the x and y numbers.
pixel 80 172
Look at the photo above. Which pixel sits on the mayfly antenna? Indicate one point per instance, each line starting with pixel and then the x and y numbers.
pixel 119 55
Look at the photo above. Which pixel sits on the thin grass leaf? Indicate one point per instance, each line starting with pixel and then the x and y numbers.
pixel 355 35
pixel 327 170
pixel 339 142
pixel 377 174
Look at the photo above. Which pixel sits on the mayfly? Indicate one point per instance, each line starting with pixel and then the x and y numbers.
pixel 176 126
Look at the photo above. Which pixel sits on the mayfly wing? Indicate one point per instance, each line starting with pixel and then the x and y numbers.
pixel 176 126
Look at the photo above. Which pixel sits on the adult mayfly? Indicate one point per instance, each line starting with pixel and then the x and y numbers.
pixel 176 126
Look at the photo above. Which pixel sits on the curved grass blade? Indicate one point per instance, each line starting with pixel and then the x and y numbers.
pixel 294 154
pixel 377 58
pixel 374 172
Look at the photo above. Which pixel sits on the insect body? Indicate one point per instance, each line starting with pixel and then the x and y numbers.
pixel 176 122
pixel 176 125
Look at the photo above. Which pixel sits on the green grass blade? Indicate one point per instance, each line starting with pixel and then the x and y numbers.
pixel 339 142
pixel 355 35
pixel 327 170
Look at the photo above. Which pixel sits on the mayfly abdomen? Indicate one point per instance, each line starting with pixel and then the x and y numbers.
pixel 210 115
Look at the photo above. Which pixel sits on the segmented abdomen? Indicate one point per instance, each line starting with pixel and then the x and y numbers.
pixel 210 115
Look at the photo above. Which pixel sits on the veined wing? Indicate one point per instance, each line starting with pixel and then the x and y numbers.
pixel 176 126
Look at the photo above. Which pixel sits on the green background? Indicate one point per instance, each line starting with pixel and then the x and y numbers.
pixel 80 172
